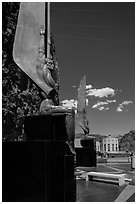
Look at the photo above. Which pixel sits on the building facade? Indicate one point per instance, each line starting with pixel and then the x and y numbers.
pixel 110 144
pixel 98 146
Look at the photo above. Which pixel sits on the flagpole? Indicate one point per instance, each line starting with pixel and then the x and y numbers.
pixel 48 30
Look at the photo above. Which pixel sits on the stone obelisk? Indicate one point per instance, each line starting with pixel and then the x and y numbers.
pixel 86 154
pixel 81 108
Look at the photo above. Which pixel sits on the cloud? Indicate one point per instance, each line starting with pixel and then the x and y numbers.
pixel 111 101
pixel 101 105
pixel 122 105
pixel 103 108
pixel 88 87
pixel 100 93
pixel 71 103
pixel 119 109
pixel 126 102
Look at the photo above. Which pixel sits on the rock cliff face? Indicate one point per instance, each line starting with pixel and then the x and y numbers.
pixel 127 142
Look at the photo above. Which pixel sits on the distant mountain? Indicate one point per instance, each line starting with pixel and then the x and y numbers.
pixel 119 137
pixel 127 141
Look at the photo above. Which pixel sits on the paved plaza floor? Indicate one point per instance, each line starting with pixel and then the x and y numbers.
pixel 96 191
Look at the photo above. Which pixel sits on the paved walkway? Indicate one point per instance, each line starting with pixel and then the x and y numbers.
pixel 93 191
pixel 126 193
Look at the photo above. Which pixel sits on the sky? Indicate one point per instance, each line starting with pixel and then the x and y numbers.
pixel 97 40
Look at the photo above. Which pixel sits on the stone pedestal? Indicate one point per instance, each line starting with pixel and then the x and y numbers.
pixel 86 155
pixel 40 168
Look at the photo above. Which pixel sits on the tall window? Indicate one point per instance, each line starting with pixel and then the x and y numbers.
pixel 116 147
pixel 108 147
pixel 112 147
pixel 104 147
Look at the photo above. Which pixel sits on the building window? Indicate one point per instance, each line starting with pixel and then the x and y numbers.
pixel 112 147
pixel 116 147
pixel 108 147
pixel 104 147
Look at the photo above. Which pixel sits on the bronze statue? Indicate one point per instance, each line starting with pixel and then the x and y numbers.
pixel 34 53
pixel 31 52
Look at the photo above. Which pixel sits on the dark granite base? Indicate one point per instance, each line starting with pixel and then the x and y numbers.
pixel 86 156
pixel 45 127
pixel 37 171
